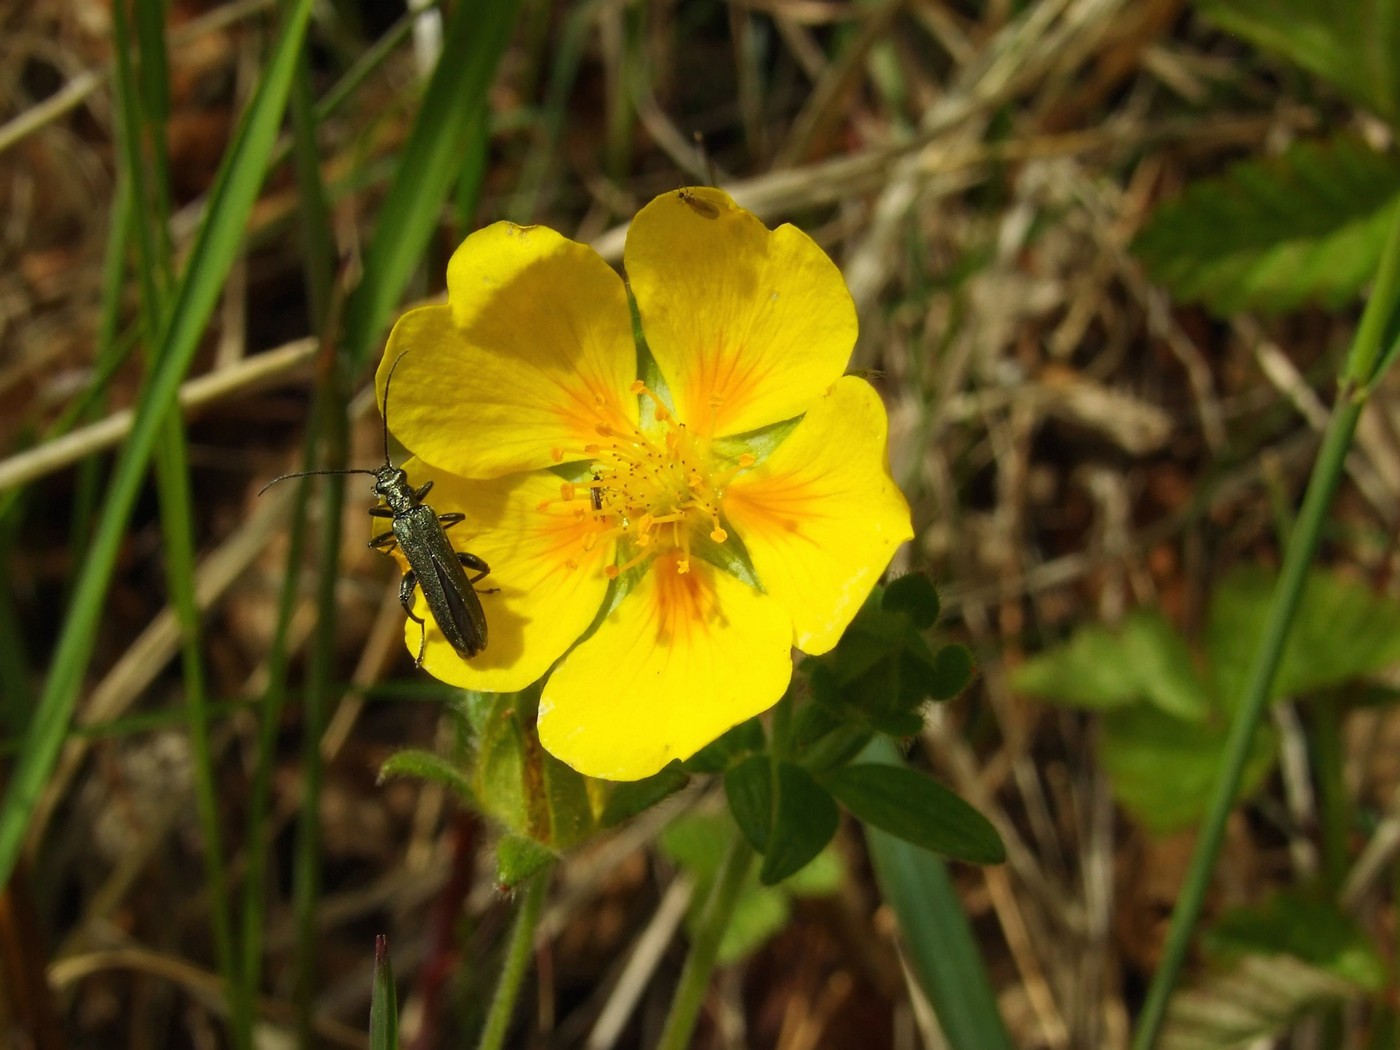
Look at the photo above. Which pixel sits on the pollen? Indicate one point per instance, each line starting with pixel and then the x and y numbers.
pixel 653 488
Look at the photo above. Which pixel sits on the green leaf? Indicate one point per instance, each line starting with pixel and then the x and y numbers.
pixel 917 809
pixel 1351 43
pixel 519 857
pixel 383 1001
pixel 629 798
pixel 914 596
pixel 749 789
pixel 1269 235
pixel 426 766
pixel 1164 769
pixel 1308 927
pixel 716 757
pixel 821 878
pixel 836 749
pixel 804 821
pixel 952 671
pixel 1144 659
pixel 1343 630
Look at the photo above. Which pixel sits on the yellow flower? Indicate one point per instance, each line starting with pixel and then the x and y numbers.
pixel 690 528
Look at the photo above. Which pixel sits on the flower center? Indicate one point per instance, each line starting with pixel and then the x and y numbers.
pixel 653 490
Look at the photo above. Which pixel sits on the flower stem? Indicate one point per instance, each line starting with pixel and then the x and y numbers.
pixel 517 962
pixel 695 978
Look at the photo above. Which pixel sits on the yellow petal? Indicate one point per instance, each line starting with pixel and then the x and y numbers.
pixel 821 516
pixel 547 588
pixel 748 326
pixel 533 352
pixel 680 660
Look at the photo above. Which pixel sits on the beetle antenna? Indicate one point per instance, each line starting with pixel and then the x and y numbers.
pixel 308 473
pixel 385 410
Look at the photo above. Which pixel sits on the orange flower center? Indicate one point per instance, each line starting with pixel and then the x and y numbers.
pixel 651 490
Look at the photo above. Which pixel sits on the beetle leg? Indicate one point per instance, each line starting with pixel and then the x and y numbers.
pixel 381 512
pixel 451 518
pixel 406 585
pixel 471 561
pixel 385 541
pixel 420 494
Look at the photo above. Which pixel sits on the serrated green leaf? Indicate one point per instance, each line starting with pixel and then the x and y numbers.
pixel 917 809
pixel 749 789
pixel 1102 669
pixel 1351 43
pixel 1308 927
pixel 425 765
pixel 1163 768
pixel 1255 999
pixel 518 858
pixel 1342 631
pixel 629 798
pixel 804 821
pixel 1269 235
pixel 383 1001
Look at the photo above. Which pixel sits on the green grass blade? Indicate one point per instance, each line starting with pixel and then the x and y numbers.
pixel 428 167
pixel 323 297
pixel 942 950
pixel 142 109
pixel 216 245
pixel 1378 323
pixel 383 1001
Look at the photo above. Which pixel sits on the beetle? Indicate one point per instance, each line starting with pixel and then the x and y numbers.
pixel 434 566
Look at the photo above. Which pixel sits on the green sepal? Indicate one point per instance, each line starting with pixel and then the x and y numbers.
pixel 519 784
pixel 805 819
pixel 917 809
pixel 518 858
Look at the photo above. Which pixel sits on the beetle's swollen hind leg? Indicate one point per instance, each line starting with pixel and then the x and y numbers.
pixel 406 585
pixel 471 561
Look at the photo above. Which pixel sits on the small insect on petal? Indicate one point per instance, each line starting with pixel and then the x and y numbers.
pixel 701 207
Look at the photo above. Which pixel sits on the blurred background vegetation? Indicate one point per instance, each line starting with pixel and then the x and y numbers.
pixel 1108 256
